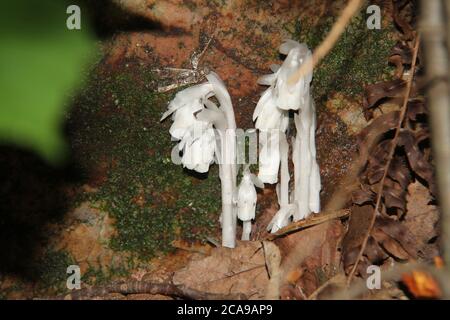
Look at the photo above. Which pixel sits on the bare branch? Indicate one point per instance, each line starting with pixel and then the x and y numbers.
pixel 135 287
pixel 434 29
pixel 313 220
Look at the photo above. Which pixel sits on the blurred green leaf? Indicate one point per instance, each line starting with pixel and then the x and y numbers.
pixel 41 62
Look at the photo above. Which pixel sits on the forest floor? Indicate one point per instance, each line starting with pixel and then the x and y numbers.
pixel 121 210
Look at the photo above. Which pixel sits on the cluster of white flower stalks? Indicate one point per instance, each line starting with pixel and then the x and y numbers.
pixel 207 132
pixel 272 119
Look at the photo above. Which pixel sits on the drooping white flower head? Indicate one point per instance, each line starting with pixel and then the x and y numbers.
pixel 292 96
pixel 288 96
pixel 196 136
pixel 271 112
pixel 184 105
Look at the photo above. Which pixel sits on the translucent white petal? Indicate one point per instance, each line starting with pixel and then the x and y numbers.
pixel 288 45
pixel 213 116
pixel 269 116
pixel 268 79
pixel 183 119
pixel 275 67
pixel 281 219
pixel 198 151
pixel 188 96
pixel 265 97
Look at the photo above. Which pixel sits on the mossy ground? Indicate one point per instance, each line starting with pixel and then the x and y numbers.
pixel 360 56
pixel 115 124
pixel 123 151
pixel 115 127
pixel 51 270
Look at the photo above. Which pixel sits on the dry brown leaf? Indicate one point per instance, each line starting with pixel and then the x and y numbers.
pixel 400 19
pixel 401 55
pixel 393 90
pixel 370 136
pixel 363 196
pixel 394 195
pixel 394 248
pixel 311 249
pixel 225 271
pixel 373 251
pixel 388 237
pixel 359 223
pixel 399 172
pixel 422 218
pixel 416 107
pixel 398 232
pixel 272 257
pixel 416 158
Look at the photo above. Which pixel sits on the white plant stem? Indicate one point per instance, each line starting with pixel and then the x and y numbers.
pixel 306 170
pixel 227 168
pixel 282 217
pixel 228 185
pixel 302 168
pixel 246 230
pixel 228 206
pixel 284 174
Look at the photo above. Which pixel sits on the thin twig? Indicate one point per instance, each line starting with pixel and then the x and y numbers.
pixel 389 160
pixel 309 222
pixel 135 287
pixel 241 272
pixel 329 42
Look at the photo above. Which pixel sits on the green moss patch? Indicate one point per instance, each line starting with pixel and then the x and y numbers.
pixel 51 270
pixel 358 58
pixel 124 151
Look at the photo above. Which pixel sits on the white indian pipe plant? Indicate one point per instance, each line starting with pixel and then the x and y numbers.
pixel 246 201
pixel 272 117
pixel 194 117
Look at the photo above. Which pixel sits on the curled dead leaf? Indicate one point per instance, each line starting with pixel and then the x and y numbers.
pixel 398 231
pixel 416 158
pixel 375 131
pixel 363 195
pixel 401 20
pixel 401 55
pixel 415 107
pixel 376 92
